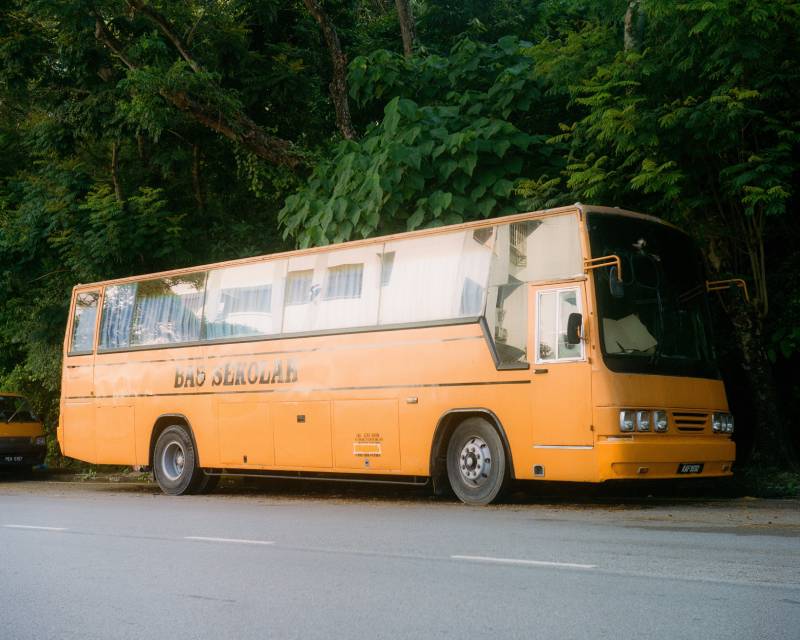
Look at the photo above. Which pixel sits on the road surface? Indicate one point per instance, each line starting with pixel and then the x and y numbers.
pixel 121 560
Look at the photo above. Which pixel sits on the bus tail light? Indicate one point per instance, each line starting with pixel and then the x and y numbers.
pixel 626 420
pixel 660 422
pixel 643 421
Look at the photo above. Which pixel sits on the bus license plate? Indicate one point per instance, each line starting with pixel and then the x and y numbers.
pixel 13 459
pixel 690 467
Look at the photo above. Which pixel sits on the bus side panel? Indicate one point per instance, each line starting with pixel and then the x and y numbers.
pixel 78 408
pixel 366 434
pixel 78 429
pixel 114 431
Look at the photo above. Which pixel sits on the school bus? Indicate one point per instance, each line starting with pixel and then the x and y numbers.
pixel 571 344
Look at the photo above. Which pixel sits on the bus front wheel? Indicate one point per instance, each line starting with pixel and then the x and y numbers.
pixel 175 462
pixel 476 462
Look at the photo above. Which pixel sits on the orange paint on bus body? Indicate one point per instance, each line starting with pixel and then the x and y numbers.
pixel 368 399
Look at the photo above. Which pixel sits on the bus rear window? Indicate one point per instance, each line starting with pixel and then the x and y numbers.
pixel 83 323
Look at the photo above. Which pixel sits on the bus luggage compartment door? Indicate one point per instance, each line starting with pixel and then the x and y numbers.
pixel 302 434
pixel 245 432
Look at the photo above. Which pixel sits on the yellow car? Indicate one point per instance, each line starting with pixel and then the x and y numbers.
pixel 22 439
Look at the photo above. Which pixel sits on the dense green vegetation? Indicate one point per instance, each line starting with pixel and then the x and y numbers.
pixel 140 136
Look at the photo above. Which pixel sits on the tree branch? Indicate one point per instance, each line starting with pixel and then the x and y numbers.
pixel 166 28
pixel 102 33
pixel 237 127
pixel 338 85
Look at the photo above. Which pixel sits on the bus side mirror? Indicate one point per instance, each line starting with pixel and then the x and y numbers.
pixel 574 324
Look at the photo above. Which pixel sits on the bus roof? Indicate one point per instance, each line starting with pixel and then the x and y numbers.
pixel 518 217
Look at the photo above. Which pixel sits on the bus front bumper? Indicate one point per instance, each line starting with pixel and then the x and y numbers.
pixel 697 457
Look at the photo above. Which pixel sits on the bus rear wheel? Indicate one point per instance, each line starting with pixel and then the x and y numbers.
pixel 175 462
pixel 476 462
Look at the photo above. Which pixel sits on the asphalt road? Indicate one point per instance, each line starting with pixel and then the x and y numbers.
pixel 114 561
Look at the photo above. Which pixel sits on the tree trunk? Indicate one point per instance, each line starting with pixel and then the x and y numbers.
pixel 772 443
pixel 338 85
pixel 407 30
pixel 115 172
pixel 634 26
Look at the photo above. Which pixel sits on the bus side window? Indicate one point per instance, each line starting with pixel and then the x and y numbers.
pixel 83 323
pixel 553 310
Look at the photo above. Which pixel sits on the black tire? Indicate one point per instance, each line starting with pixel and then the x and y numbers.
pixel 207 483
pixel 476 462
pixel 175 462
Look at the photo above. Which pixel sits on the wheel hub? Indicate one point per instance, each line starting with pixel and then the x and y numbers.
pixel 173 460
pixel 475 461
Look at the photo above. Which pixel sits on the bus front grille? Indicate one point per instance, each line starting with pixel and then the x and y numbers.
pixel 690 421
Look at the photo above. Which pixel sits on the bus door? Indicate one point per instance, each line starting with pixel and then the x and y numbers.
pixel 562 407
pixel 78 439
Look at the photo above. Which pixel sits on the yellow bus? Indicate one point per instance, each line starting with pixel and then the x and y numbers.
pixel 571 344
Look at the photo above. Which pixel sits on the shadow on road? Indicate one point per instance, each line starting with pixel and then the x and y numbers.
pixel 642 494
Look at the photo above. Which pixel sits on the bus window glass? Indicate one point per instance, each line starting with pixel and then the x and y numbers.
pixel 507 304
pixel 83 322
pixel 547 328
pixel 546 249
pixel 304 281
pixel 241 301
pixel 567 304
pixel 350 289
pixel 115 325
pixel 432 278
pixel 553 311
pixel 387 264
pixel 344 281
pixel 298 286
pixel 471 298
pixel 168 310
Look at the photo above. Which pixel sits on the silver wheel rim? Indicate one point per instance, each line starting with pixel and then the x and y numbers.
pixel 475 461
pixel 173 460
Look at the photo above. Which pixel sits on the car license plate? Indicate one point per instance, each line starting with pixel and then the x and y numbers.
pixel 12 459
pixel 690 467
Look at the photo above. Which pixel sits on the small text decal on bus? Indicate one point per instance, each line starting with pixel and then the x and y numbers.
pixel 238 373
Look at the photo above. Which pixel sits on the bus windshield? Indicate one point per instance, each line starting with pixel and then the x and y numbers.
pixel 655 320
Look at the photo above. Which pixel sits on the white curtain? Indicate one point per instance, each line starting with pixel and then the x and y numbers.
pixel 168 310
pixel 117 311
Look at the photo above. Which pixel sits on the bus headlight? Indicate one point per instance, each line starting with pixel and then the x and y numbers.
pixel 722 423
pixel 729 424
pixel 643 421
pixel 660 422
pixel 39 441
pixel 626 420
